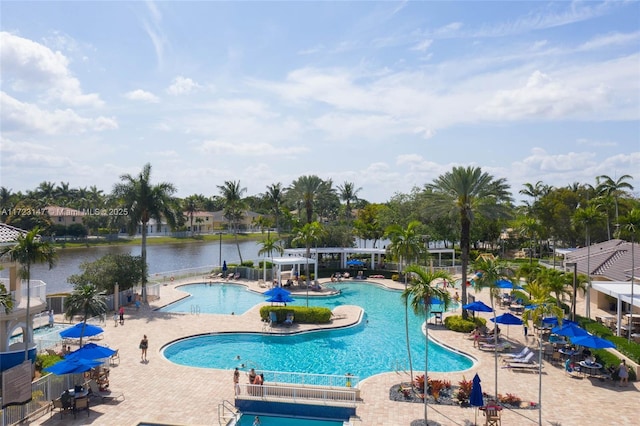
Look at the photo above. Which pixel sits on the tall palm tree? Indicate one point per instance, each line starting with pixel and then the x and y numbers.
pixel 492 270
pixel 348 193
pixel 631 224
pixel 530 226
pixel 275 198
pixel 406 246
pixel 420 295
pixel 86 300
pixel 46 191
pixel 587 217
pixel 307 190
pixel 467 192
pixel 308 234
pixel 29 249
pixel 614 188
pixel 144 202
pixel 234 207
pixel 557 283
pixel 191 206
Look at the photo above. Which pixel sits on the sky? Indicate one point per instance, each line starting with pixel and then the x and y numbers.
pixel 385 95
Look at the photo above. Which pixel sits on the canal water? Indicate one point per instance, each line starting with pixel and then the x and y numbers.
pixel 160 258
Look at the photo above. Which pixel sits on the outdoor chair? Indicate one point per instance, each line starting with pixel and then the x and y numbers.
pixel 81 404
pixel 114 357
pixel 289 320
pixel 97 393
pixel 57 405
pixel 520 354
pixel 528 359
pixel 492 416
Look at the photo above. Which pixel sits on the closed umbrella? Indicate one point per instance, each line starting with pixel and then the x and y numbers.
pixel 508 319
pixel 91 351
pixel 81 330
pixel 72 366
pixel 476 399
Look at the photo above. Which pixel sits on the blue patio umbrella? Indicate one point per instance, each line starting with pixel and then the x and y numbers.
pixel 569 330
pixel 507 284
pixel 355 262
pixel 435 301
pixel 81 330
pixel 280 298
pixel 91 351
pixel 477 306
pixel 591 341
pixel 72 366
pixel 476 399
pixel 277 290
pixel 508 319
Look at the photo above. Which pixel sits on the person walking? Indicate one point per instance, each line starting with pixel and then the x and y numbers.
pixel 121 312
pixel 144 345
pixel 236 381
pixel 51 318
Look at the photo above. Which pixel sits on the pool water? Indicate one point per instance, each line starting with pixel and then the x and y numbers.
pixel 44 333
pixel 216 299
pixel 247 420
pixel 374 346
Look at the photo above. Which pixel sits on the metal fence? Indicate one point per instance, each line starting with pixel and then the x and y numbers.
pixel 43 391
pixel 328 380
pixel 292 392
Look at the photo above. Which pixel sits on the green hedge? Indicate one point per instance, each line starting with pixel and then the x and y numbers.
pixel 301 314
pixel 629 349
pixel 456 323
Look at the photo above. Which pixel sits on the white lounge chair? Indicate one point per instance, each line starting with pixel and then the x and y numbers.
pixel 528 359
pixel 520 354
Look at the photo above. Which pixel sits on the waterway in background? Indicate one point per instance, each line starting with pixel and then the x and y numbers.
pixel 160 258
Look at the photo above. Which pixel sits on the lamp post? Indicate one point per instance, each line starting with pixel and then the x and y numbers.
pixel 575 288
pixel 220 250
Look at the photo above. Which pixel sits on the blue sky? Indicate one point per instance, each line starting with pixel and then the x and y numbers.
pixel 387 95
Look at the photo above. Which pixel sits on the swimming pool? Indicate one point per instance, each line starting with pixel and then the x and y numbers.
pixel 42 333
pixel 374 346
pixel 247 420
pixel 216 299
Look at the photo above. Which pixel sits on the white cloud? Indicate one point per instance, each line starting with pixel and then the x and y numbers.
pixel 182 86
pixel 142 95
pixel 612 39
pixel 20 116
pixel 423 45
pixel 252 149
pixel 29 66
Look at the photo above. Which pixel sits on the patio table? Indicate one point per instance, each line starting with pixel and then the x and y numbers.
pixel 590 369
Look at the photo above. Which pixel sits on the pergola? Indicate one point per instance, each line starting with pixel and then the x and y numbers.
pixel 621 291
pixel 279 262
pixel 374 253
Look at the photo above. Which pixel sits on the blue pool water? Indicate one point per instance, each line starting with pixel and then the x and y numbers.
pixel 247 420
pixel 216 299
pixel 45 333
pixel 374 346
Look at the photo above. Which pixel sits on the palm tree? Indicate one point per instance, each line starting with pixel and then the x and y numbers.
pixel 269 245
pixel 234 207
pixel 86 300
pixel 275 198
pixel 492 270
pixel 348 194
pixel 30 249
pixel 420 295
pixel 557 283
pixel 467 192
pixel 144 202
pixel 191 206
pixel 529 226
pixel 587 217
pixel 631 224
pixel 406 246
pixel 308 234
pixel 307 190
pixel 543 306
pixel 614 188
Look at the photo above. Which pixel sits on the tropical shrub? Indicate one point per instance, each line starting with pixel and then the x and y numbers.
pixel 464 390
pixel 301 314
pixel 418 382
pixel 457 323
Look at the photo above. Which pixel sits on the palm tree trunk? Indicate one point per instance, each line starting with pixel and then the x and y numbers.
pixel 27 331
pixel 143 255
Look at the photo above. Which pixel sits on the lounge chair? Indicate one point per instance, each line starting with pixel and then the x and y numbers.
pixel 289 320
pixel 97 393
pixel 520 354
pixel 236 276
pixel 114 357
pixel 230 276
pixel 528 359
pixel 502 346
pixel 273 318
